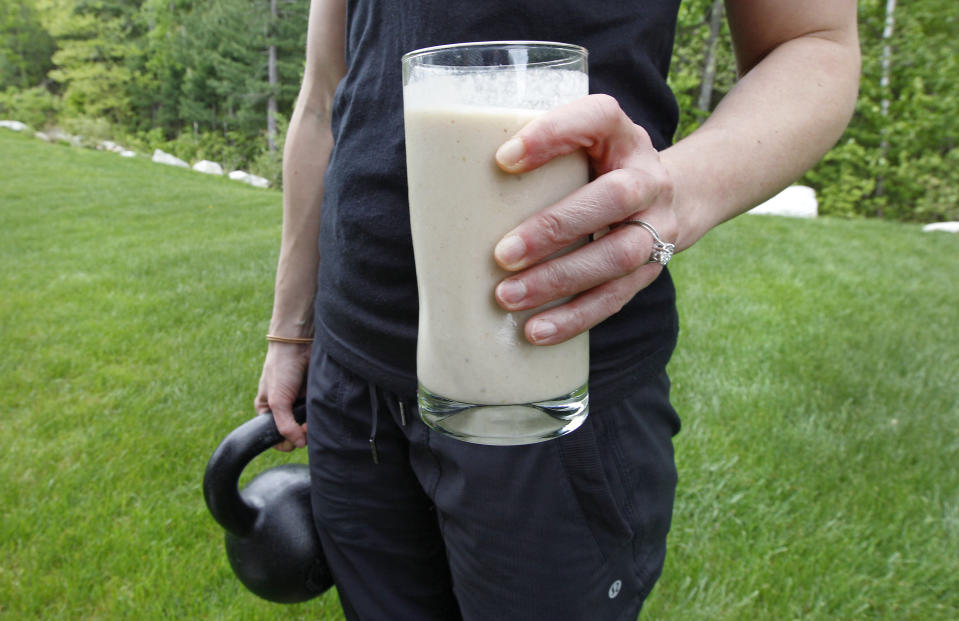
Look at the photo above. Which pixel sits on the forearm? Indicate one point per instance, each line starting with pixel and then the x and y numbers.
pixel 305 156
pixel 306 153
pixel 778 121
pixel 792 104
pixel 309 141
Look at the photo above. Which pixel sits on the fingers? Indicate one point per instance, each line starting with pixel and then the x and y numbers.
pixel 281 409
pixel 607 200
pixel 280 383
pixel 261 403
pixel 589 308
pixel 294 433
pixel 612 257
pixel 629 176
pixel 595 123
pixel 630 182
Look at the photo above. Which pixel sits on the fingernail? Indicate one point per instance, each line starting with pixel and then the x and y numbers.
pixel 511 291
pixel 542 330
pixel 511 152
pixel 509 252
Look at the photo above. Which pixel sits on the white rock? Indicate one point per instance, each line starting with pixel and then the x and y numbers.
pixel 112 147
pixel 59 135
pixel 127 153
pixel 160 157
pixel 43 136
pixel 948 227
pixel 16 126
pixel 259 182
pixel 208 167
pixel 796 201
pixel 245 177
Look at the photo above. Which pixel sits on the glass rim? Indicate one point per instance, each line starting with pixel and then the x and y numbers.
pixel 569 47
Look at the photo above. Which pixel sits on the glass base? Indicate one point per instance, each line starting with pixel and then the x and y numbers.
pixel 504 425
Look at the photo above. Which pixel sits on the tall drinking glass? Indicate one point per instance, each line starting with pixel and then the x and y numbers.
pixel 479 379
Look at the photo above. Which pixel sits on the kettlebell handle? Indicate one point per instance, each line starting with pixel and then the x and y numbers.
pixel 222 476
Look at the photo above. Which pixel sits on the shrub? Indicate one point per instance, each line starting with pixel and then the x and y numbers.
pixel 36 106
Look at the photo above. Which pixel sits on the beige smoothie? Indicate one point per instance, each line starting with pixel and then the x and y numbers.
pixel 461 204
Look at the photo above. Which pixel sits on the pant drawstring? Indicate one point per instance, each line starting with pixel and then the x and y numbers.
pixel 375 404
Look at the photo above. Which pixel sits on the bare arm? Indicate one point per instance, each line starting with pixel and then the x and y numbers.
pixel 800 65
pixel 305 156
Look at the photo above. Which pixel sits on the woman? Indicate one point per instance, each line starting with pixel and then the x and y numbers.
pixel 427 527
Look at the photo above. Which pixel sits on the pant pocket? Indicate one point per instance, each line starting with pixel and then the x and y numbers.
pixel 580 455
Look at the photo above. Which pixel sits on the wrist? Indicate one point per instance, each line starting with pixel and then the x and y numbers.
pixel 289 340
pixel 699 204
pixel 291 327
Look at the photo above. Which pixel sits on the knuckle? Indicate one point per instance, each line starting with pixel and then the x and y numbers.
pixel 613 300
pixel 554 280
pixel 603 302
pixel 607 107
pixel 670 229
pixel 663 182
pixel 283 424
pixel 630 252
pixel 625 190
pixel 549 130
pixel 642 136
pixel 551 226
pixel 579 319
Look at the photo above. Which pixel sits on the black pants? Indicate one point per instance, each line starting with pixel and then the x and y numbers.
pixel 435 528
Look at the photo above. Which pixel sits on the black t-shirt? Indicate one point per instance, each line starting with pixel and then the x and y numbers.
pixel 366 305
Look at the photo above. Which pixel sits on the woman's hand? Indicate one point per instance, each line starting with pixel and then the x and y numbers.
pixel 282 381
pixel 630 183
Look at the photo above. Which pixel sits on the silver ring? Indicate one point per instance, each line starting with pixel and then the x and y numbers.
pixel 662 251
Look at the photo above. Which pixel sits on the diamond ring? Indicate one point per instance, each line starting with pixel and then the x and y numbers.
pixel 662 251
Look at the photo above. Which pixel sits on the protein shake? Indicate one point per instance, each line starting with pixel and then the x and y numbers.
pixel 479 378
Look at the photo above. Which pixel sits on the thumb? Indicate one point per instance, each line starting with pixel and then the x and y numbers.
pixel 595 123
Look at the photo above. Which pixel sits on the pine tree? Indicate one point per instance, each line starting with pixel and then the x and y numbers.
pixel 26 47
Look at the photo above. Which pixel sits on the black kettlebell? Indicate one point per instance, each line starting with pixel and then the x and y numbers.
pixel 271 542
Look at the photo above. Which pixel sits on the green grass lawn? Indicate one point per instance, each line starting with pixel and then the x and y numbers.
pixel 817 377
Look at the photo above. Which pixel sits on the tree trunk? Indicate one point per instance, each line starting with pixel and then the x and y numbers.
pixel 884 82
pixel 709 65
pixel 887 31
pixel 273 81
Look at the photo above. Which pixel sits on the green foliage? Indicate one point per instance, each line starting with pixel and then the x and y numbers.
pixel 90 131
pixel 229 149
pixel 899 164
pixel 222 85
pixel 689 60
pixel 907 150
pixel 939 183
pixel 844 179
pixel 35 106
pixel 269 164
pixel 192 77
pixel 25 45
pixel 97 59
pixel 225 79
